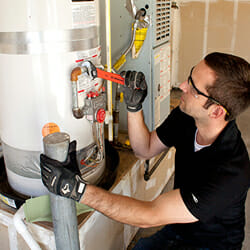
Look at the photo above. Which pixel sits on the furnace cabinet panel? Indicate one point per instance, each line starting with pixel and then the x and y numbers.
pixel 154 57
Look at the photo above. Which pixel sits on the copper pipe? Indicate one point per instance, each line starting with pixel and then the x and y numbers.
pixel 77 111
pixel 75 73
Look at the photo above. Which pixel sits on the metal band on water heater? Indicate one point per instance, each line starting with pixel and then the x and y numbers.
pixel 49 41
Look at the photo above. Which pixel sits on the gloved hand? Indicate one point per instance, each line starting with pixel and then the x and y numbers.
pixel 135 90
pixel 63 178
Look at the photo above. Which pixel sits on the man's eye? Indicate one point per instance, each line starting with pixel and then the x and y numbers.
pixel 193 89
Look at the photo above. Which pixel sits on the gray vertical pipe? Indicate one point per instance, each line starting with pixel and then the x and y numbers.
pixel 63 210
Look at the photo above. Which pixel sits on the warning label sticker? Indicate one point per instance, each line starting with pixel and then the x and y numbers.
pixel 50 128
pixel 8 201
pixel 83 15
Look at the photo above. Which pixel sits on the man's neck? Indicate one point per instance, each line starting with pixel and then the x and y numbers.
pixel 208 133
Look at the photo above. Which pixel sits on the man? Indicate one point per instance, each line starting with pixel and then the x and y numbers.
pixel 212 171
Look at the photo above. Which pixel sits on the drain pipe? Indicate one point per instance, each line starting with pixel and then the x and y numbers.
pixel 22 229
pixel 63 210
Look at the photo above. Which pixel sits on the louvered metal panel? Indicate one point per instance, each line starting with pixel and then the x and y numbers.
pixel 162 21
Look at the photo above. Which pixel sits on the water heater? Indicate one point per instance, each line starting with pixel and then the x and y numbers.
pixel 41 42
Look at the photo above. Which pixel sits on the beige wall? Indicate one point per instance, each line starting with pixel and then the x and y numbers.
pixel 201 27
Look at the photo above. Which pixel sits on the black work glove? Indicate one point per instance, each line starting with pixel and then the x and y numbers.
pixel 135 90
pixel 63 178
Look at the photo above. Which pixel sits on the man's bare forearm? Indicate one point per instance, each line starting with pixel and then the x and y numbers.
pixel 139 134
pixel 117 207
pixel 145 144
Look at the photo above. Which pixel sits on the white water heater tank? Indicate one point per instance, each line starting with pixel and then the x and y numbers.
pixel 40 43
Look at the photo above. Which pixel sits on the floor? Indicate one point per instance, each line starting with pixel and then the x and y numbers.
pixel 244 126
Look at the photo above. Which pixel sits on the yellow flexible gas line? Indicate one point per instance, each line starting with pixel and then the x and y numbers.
pixel 109 69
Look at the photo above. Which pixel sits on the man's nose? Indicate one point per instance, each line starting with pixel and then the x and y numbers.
pixel 184 86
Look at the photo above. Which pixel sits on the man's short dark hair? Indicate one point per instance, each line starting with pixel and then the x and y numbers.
pixel 232 85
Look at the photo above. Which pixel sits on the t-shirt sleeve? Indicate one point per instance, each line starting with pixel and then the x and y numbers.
pixel 168 130
pixel 221 190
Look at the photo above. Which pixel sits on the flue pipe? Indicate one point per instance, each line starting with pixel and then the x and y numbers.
pixel 63 210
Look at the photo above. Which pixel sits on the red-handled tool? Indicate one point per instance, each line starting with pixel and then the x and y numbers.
pixel 110 76
pixel 90 68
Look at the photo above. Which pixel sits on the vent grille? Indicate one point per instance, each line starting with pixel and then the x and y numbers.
pixel 162 20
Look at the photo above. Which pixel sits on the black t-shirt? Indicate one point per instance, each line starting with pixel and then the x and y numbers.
pixel 213 182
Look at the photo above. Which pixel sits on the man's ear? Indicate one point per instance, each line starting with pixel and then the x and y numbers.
pixel 216 111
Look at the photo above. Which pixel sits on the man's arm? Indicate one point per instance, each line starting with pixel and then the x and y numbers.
pixel 63 178
pixel 168 208
pixel 144 143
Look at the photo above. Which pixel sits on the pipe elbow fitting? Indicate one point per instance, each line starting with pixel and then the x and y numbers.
pixel 75 73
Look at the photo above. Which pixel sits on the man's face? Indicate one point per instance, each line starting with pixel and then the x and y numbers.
pixel 191 102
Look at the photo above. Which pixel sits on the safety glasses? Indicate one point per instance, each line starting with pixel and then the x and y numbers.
pixel 198 92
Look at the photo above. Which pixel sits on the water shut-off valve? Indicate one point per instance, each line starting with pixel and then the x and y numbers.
pixel 86 99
